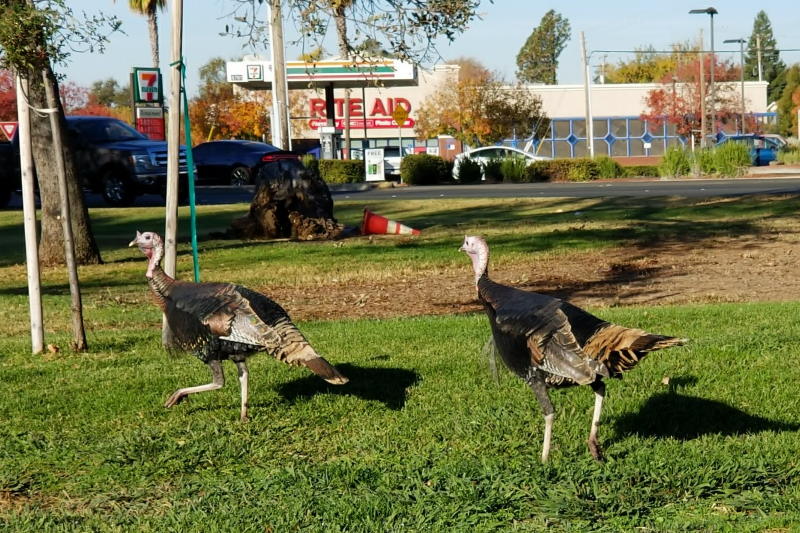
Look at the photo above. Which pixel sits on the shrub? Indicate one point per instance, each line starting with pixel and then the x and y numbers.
pixel 731 159
pixel 423 169
pixel 469 171
pixel 513 169
pixel 582 169
pixel 492 169
pixel 537 171
pixel 637 171
pixel 703 162
pixel 607 168
pixel 676 162
pixel 341 170
pixel 311 163
pixel 789 157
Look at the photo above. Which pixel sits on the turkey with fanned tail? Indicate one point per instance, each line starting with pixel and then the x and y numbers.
pixel 218 321
pixel 550 343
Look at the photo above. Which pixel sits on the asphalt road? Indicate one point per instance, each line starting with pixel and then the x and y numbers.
pixel 692 188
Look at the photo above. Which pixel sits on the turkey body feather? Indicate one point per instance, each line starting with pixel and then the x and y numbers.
pixel 219 321
pixel 551 343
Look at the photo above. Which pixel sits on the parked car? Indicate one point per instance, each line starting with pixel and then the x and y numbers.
pixel 236 162
pixel 391 162
pixel 762 149
pixel 484 154
pixel 113 158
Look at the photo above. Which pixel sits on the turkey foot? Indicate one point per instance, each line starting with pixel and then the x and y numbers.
pixel 595 450
pixel 177 397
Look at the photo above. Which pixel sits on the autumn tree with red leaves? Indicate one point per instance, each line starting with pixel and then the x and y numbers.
pixel 679 99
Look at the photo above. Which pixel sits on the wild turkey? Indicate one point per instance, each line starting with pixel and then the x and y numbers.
pixel 550 343
pixel 218 321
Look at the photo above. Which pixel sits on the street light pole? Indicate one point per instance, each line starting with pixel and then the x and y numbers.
pixel 741 64
pixel 711 12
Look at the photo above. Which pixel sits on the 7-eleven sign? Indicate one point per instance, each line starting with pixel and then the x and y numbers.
pixel 9 128
pixel 147 86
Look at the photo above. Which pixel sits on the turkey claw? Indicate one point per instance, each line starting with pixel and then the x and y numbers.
pixel 596 451
pixel 176 398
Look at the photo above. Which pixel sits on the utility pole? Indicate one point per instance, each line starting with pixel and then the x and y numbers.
pixel 702 94
pixel 280 92
pixel 29 216
pixel 758 55
pixel 173 152
pixel 587 95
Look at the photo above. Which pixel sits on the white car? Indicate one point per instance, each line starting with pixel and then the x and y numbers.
pixel 391 162
pixel 482 155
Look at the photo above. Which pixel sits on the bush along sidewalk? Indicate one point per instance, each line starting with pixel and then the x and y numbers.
pixel 730 159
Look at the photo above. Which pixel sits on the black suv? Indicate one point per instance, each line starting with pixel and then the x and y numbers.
pixel 113 159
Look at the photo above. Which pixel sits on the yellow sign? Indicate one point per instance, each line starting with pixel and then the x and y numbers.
pixel 400 114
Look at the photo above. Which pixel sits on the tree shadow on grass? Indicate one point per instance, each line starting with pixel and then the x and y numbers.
pixel 386 385
pixel 684 417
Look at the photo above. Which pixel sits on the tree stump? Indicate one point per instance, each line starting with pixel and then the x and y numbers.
pixel 292 203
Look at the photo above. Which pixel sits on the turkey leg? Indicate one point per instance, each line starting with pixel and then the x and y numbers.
pixel 218 380
pixel 540 390
pixel 241 366
pixel 599 389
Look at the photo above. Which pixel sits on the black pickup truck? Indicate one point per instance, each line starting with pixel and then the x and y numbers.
pixel 112 157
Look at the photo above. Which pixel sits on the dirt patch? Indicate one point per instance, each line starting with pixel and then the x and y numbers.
pixel 745 269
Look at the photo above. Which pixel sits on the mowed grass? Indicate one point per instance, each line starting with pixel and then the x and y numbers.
pixel 422 439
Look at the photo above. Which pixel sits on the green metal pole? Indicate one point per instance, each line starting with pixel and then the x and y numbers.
pixel 187 128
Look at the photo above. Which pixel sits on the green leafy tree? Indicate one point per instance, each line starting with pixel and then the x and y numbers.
pixel 478 108
pixel 537 60
pixel 150 9
pixel 647 66
pixel 35 36
pixel 789 102
pixel 771 65
pixel 110 93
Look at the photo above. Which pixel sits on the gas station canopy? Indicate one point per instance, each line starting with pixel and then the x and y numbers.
pixel 380 72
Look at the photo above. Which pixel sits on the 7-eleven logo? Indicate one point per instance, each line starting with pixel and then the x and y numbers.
pixel 147 85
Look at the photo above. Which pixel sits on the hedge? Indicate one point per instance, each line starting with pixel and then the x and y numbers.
pixel 341 170
pixel 423 169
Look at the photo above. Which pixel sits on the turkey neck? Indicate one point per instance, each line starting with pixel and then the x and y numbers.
pixel 160 283
pixel 480 264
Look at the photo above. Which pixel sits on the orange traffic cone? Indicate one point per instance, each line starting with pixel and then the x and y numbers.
pixel 379 225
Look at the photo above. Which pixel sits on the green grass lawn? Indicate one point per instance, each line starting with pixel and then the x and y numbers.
pixel 422 439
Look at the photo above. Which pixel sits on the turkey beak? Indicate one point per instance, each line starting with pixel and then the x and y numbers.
pixel 135 241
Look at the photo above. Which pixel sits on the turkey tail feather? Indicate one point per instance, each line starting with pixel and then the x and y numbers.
pixel 620 348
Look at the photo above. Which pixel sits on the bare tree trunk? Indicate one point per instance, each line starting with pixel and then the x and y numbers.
pixel 51 249
pixel 344 51
pixel 152 24
pixel 78 332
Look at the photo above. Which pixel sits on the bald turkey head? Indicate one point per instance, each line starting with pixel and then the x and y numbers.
pixel 152 246
pixel 478 252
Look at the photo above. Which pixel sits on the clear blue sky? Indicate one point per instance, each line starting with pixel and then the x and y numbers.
pixel 494 40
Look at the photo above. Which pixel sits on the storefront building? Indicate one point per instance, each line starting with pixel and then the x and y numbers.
pixel 615 109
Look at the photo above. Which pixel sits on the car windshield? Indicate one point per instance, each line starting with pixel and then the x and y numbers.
pixel 105 131
pixel 391 151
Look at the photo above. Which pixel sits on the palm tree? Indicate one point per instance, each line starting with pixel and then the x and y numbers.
pixel 150 8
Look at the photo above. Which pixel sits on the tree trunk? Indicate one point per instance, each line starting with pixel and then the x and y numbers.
pixel 78 331
pixel 152 24
pixel 295 206
pixel 51 247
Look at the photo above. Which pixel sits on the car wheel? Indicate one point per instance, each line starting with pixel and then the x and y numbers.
pixel 117 190
pixel 240 176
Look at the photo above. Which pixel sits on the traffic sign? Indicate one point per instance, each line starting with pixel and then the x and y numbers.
pixel 9 128
pixel 400 114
